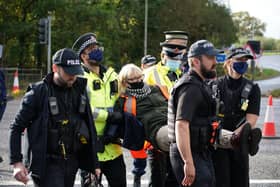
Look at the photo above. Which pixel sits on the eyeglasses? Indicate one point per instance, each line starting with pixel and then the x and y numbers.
pixel 135 78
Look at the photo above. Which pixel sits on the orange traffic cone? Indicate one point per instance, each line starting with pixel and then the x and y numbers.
pixel 16 83
pixel 269 126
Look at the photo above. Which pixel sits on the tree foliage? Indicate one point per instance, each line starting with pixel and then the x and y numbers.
pixel 119 25
pixel 248 26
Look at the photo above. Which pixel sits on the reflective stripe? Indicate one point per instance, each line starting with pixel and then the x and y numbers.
pixel 164 91
pixel 156 75
pixel 130 105
pixel 96 111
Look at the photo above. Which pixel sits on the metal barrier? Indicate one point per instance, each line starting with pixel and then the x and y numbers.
pixel 25 75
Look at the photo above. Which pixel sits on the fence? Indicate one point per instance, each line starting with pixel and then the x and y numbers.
pixel 25 76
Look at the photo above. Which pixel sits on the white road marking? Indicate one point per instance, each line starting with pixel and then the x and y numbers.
pixel 143 181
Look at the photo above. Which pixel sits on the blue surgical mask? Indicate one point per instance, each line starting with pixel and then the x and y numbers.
pixel 240 67
pixel 96 55
pixel 173 64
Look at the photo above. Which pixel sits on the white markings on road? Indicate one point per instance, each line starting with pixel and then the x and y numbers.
pixel 129 182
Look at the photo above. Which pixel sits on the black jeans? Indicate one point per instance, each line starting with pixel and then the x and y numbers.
pixel 139 165
pixel 59 173
pixel 231 168
pixel 204 171
pixel 161 171
pixel 114 171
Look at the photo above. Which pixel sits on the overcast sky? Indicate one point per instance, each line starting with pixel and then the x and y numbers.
pixel 267 11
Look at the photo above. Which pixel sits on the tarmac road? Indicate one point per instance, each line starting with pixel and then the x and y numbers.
pixel 264 167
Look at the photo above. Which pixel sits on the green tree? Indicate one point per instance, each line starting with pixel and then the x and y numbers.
pixel 248 26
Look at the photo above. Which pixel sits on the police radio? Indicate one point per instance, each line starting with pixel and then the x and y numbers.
pixel 53 105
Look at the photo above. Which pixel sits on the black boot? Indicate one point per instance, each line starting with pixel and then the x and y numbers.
pixel 137 181
pixel 244 139
pixel 1 159
pixel 254 140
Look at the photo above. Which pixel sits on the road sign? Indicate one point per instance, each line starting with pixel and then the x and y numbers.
pixel 221 58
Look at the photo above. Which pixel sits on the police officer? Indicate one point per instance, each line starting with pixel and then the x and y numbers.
pixel 164 74
pixel 3 98
pixel 148 61
pixel 102 89
pixel 190 108
pixel 167 71
pixel 56 115
pixel 241 99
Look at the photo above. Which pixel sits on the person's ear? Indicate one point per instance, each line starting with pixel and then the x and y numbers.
pixel 54 68
pixel 83 57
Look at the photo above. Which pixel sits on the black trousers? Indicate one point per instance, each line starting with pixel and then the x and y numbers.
pixel 231 168
pixel 59 173
pixel 161 171
pixel 114 171
pixel 204 170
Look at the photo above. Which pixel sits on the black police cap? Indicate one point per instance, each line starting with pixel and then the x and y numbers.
pixel 84 41
pixel 69 61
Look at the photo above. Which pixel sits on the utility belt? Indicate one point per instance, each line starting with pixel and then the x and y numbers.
pixel 67 138
pixel 200 138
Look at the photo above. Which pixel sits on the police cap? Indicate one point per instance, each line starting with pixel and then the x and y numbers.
pixel 172 35
pixel 239 52
pixel 68 60
pixel 84 41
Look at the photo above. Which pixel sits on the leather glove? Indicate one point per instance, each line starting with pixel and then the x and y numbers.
pixel 115 118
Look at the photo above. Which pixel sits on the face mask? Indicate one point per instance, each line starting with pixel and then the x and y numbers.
pixel 173 64
pixel 96 55
pixel 240 67
pixel 136 85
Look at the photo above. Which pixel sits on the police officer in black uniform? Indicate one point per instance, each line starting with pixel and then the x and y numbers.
pixel 59 123
pixel 191 108
pixel 3 98
pixel 241 98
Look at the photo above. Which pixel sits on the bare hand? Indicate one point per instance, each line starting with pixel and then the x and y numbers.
pixel 20 172
pixel 189 172
pixel 98 172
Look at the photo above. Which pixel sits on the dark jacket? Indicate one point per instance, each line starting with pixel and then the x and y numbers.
pixel 33 115
pixel 3 94
pixel 151 111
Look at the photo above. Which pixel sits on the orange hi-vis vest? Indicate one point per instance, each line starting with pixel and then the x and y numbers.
pixel 130 107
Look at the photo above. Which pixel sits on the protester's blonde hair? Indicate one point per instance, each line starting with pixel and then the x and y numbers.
pixel 225 66
pixel 126 71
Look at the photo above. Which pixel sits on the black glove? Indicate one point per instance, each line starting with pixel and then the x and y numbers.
pixel 115 118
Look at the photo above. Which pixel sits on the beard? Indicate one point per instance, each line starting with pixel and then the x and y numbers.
pixel 208 74
pixel 64 83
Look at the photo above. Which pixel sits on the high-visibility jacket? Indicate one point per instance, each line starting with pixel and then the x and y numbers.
pixel 157 75
pixel 102 100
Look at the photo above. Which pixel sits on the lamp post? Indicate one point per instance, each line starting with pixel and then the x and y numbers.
pixel 146 27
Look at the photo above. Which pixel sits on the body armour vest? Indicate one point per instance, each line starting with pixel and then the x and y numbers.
pixel 67 130
pixel 201 125
pixel 233 100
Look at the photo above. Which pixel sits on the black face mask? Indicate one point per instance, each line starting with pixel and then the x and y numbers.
pixel 136 85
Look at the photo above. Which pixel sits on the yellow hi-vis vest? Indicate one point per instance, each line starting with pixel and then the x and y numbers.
pixel 157 75
pixel 101 102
